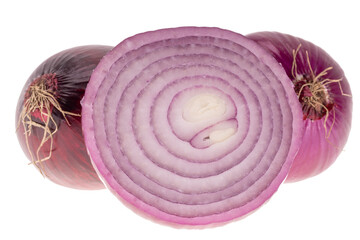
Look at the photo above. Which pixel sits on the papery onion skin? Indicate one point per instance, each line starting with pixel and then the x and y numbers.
pixel 61 79
pixel 145 140
pixel 317 151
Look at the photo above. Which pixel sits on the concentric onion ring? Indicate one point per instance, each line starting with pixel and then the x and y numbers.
pixel 191 126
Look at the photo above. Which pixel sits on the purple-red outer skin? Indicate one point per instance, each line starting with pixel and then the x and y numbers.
pixel 316 153
pixel 137 204
pixel 70 164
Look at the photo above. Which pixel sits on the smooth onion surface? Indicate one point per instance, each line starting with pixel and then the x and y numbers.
pixel 48 117
pixel 191 126
pixel 325 130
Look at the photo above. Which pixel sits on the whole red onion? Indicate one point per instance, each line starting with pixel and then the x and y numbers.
pixel 48 117
pixel 325 97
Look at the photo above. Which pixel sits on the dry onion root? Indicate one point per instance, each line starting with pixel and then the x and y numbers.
pixel 191 126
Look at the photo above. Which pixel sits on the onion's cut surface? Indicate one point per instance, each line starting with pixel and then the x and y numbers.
pixel 191 126
pixel 48 117
pixel 325 97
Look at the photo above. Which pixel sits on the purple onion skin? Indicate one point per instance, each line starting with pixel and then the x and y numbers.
pixel 319 148
pixel 66 74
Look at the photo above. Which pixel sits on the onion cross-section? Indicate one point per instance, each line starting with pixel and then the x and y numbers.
pixel 191 126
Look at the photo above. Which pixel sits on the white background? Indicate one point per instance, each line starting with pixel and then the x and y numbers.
pixel 324 207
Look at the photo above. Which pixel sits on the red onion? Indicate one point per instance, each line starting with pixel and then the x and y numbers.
pixel 48 117
pixel 325 97
pixel 191 126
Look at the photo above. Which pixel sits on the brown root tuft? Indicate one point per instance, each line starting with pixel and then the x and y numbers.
pixel 313 94
pixel 40 100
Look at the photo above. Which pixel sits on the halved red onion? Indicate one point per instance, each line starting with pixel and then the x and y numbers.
pixel 325 97
pixel 191 126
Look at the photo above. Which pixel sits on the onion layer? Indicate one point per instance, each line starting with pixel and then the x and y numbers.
pixel 325 97
pixel 48 117
pixel 191 126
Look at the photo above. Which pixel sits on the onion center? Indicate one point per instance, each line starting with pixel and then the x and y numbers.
pixel 203 106
pixel 208 114
pixel 207 107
